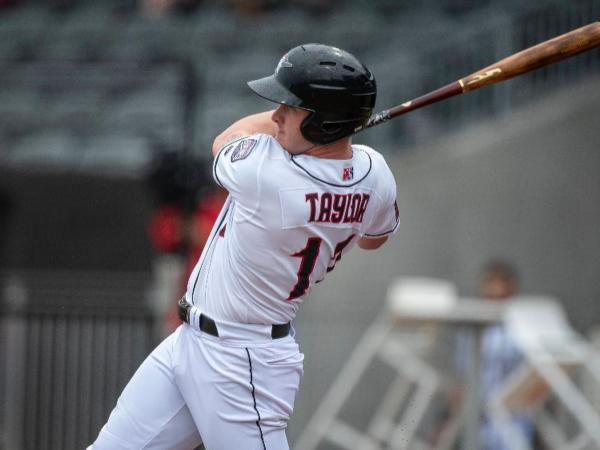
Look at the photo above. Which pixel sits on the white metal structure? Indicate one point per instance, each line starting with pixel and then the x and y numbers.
pixel 410 300
pixel 553 351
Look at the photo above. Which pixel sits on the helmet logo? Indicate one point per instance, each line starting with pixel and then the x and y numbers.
pixel 283 62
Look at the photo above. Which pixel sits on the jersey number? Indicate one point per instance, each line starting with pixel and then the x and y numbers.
pixel 309 255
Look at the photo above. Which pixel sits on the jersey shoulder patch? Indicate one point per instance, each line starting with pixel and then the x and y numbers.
pixel 242 148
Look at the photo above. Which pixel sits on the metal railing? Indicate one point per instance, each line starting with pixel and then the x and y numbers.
pixel 66 358
pixel 498 37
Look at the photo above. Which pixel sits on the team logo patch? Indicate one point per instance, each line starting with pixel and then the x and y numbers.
pixel 348 173
pixel 243 149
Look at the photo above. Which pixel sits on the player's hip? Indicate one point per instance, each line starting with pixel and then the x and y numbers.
pixel 267 376
pixel 234 333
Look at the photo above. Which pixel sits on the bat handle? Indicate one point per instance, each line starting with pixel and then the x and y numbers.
pixel 380 117
pixel 449 90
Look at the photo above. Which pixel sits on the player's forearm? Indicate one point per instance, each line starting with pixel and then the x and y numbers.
pixel 371 243
pixel 255 123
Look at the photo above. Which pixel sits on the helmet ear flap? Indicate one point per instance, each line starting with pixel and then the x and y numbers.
pixel 331 127
pixel 317 130
pixel 307 127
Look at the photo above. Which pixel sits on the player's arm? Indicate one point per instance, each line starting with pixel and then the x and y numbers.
pixel 255 123
pixel 371 243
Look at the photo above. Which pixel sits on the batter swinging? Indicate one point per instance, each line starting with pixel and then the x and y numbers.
pixel 300 196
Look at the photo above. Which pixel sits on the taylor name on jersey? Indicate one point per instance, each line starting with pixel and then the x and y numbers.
pixel 288 221
pixel 337 208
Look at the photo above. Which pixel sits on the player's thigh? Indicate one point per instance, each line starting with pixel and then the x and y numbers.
pixel 180 433
pixel 240 397
pixel 150 413
pixel 246 436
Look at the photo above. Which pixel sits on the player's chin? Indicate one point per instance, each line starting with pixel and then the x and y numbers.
pixel 293 150
pixel 283 142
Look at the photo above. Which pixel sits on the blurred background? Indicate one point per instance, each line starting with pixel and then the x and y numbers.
pixel 107 112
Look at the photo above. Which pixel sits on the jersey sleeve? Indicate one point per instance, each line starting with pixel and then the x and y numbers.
pixel 386 218
pixel 236 168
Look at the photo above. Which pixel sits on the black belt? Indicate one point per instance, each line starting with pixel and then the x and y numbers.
pixel 209 326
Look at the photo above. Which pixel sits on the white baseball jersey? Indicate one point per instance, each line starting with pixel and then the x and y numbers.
pixel 287 222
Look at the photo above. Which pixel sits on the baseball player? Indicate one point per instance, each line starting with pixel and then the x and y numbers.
pixel 301 195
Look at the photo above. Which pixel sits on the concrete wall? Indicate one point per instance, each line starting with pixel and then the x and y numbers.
pixel 525 187
pixel 68 221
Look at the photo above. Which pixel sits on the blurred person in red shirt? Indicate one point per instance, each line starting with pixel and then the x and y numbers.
pixel 194 231
pixel 187 206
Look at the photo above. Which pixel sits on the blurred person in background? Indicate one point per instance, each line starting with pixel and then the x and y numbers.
pixel 196 227
pixel 499 282
pixel 499 354
pixel 157 8
pixel 187 207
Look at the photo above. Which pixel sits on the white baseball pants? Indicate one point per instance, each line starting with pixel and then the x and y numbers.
pixel 234 392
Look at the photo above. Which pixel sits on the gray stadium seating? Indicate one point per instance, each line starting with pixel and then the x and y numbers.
pixel 178 80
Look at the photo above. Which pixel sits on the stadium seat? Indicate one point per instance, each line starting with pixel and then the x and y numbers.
pixel 48 148
pixel 127 155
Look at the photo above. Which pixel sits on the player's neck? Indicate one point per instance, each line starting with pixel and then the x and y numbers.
pixel 341 149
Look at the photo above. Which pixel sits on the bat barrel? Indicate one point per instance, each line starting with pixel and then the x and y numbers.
pixel 540 55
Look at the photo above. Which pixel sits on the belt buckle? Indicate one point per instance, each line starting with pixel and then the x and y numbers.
pixel 183 310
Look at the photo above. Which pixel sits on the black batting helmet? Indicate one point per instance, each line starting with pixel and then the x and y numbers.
pixel 337 89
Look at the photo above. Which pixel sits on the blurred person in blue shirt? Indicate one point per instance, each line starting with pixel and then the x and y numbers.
pixel 499 357
pixel 499 354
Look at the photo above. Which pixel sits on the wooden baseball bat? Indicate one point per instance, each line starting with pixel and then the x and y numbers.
pixel 540 55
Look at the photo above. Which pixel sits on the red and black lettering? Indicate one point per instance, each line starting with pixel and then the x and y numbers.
pixel 336 208
pixel 339 205
pixel 337 255
pixel 325 213
pixel 313 197
pixel 349 215
pixel 309 255
pixel 362 208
